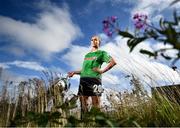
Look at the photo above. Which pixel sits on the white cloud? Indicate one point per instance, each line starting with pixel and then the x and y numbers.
pixel 117 2
pixel 24 64
pixel 138 64
pixel 52 32
pixel 7 75
pixel 75 56
pixel 56 70
pixel 104 38
pixel 15 50
pixel 153 7
pixel 4 66
pixel 111 79
pixel 157 18
pixel 170 51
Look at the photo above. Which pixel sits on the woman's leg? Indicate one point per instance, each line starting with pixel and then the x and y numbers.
pixel 84 105
pixel 96 101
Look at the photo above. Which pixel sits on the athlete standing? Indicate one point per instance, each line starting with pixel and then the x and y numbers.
pixel 91 73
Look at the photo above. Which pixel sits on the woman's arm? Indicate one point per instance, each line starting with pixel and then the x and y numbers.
pixel 111 64
pixel 72 73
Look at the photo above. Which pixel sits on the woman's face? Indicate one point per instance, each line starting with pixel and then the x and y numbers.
pixel 95 41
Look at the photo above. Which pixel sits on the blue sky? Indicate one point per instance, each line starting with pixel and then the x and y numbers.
pixel 55 34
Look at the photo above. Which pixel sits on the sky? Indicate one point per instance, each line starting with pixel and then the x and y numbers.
pixel 55 35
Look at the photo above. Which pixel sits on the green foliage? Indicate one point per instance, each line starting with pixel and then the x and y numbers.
pixel 73 121
pixel 125 34
pixel 69 104
pixel 167 112
pixel 133 42
pixel 39 119
pixel 100 118
pixel 92 118
pixel 143 51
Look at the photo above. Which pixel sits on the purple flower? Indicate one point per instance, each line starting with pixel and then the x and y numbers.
pixel 139 25
pixel 136 16
pixel 106 25
pixel 113 18
pixel 139 20
pixel 109 33
pixel 110 25
pixel 105 21
pixel 106 30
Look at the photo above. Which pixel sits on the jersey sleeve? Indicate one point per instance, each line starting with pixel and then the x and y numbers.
pixel 106 57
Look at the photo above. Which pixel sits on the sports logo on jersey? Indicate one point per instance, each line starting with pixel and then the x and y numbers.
pixel 90 58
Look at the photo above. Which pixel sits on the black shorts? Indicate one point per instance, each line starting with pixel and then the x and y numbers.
pixel 90 87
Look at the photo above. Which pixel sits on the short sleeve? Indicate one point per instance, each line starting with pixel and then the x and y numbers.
pixel 105 57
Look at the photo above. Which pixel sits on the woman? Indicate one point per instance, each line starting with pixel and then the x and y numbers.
pixel 90 74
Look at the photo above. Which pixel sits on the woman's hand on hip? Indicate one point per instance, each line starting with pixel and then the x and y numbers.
pixel 98 70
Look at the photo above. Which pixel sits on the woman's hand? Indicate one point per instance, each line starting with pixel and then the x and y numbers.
pixel 98 70
pixel 71 74
pixel 108 67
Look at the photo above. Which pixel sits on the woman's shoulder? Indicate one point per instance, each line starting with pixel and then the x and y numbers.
pixel 102 51
pixel 96 52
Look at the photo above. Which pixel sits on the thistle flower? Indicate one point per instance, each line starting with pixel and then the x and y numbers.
pixel 109 33
pixel 140 20
pixel 113 19
pixel 110 25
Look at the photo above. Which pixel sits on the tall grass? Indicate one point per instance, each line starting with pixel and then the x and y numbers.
pixel 27 104
pixel 154 111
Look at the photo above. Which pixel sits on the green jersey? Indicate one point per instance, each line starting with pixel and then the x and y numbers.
pixel 94 60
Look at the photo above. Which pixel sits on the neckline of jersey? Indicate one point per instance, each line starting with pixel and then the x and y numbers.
pixel 94 51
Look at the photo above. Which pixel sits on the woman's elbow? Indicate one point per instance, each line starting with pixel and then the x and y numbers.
pixel 113 62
